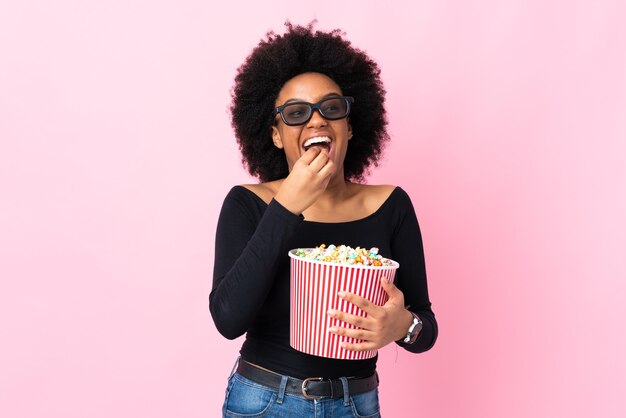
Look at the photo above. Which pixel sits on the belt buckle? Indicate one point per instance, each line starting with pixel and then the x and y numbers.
pixel 304 389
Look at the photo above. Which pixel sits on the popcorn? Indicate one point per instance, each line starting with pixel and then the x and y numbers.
pixel 344 254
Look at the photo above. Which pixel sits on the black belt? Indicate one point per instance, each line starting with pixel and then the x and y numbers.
pixel 311 387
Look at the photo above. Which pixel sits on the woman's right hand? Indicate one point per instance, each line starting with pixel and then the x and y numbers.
pixel 307 180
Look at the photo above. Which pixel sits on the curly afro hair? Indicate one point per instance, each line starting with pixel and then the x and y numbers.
pixel 277 59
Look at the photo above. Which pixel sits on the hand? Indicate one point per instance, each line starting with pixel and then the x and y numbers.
pixel 383 324
pixel 306 181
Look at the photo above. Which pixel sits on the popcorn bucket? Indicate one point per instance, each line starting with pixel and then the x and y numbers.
pixel 314 287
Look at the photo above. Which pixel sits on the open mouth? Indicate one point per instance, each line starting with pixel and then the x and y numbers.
pixel 318 141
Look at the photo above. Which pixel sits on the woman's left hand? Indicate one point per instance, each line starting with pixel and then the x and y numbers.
pixel 383 324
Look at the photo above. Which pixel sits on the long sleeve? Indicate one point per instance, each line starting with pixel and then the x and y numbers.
pixel 408 250
pixel 248 245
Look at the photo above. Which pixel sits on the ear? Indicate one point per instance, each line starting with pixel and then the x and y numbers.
pixel 278 142
pixel 349 131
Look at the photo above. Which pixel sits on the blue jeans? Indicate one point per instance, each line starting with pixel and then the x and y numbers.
pixel 245 398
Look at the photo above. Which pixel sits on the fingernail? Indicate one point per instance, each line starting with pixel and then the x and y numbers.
pixel 331 312
pixel 332 329
pixel 341 294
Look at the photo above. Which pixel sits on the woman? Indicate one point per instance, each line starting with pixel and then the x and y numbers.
pixel 309 119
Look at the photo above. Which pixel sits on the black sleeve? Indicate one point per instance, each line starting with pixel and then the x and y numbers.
pixel 247 246
pixel 408 250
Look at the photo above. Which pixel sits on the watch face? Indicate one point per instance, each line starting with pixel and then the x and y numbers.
pixel 414 329
pixel 417 329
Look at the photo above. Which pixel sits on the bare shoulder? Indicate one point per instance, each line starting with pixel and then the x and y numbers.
pixel 372 196
pixel 265 191
pixel 372 191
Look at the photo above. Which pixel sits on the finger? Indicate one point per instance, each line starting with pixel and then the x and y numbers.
pixel 364 346
pixel 356 320
pixel 328 170
pixel 319 161
pixel 310 155
pixel 359 301
pixel 360 334
pixel 391 289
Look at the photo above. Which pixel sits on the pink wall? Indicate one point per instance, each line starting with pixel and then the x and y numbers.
pixel 508 123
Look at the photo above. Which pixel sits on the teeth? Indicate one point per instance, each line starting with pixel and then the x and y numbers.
pixel 317 140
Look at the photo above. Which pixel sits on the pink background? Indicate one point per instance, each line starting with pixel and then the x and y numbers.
pixel 509 128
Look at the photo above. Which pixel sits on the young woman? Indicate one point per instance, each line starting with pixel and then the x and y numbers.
pixel 308 113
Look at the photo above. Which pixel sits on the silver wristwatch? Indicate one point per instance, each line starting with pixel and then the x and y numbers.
pixel 414 330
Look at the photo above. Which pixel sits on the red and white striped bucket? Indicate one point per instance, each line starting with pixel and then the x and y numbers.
pixel 314 287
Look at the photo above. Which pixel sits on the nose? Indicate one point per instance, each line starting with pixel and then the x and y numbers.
pixel 316 120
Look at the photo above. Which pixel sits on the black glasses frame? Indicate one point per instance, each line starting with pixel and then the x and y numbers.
pixel 312 107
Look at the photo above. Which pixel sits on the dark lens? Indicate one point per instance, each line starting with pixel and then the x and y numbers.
pixel 296 113
pixel 334 108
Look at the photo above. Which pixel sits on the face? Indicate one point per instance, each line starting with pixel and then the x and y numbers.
pixel 295 140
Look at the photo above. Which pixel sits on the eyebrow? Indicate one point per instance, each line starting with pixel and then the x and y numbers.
pixel 297 100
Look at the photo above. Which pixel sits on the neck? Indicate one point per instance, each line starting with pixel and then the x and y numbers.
pixel 336 190
pixel 337 185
